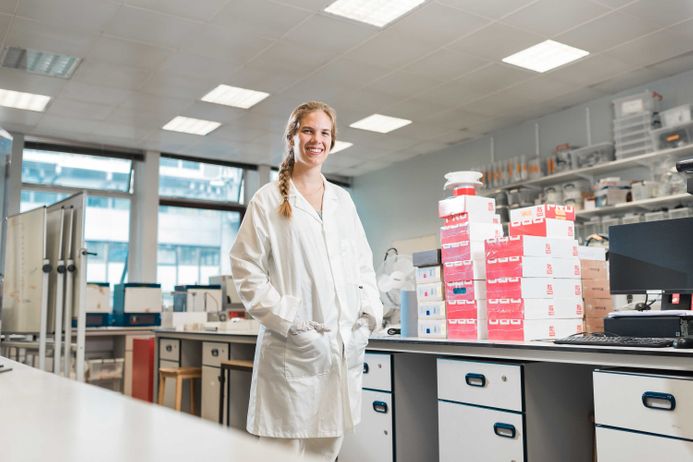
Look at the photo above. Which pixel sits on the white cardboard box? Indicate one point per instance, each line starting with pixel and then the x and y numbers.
pixel 566 268
pixel 426 274
pixel 479 209
pixel 535 308
pixel 563 248
pixel 432 292
pixel 519 266
pixel 433 328
pixel 432 310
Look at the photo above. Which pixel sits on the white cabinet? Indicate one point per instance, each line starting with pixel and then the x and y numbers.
pixel 212 355
pixel 513 412
pixel 399 395
pixel 643 413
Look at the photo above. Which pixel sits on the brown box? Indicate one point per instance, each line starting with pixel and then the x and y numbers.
pixel 594 269
pixel 596 288
pixel 598 307
pixel 593 324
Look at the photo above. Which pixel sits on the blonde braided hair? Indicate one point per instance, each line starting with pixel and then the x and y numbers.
pixel 286 168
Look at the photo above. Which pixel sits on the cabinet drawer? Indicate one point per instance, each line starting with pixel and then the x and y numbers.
pixel 376 372
pixel 478 434
pixel 169 349
pixel 661 404
pixel 372 441
pixel 624 446
pixel 210 393
pixel 485 384
pixel 213 353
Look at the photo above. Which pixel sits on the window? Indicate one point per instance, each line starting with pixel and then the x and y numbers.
pixel 186 179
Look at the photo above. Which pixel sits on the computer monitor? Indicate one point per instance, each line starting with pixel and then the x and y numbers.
pixel 653 256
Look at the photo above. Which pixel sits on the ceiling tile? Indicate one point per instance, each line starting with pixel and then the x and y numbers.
pixel 446 64
pixel 577 97
pixel 657 47
pixel 5 20
pixel 13 79
pixel 489 8
pixel 22 120
pixel 128 53
pixel 589 70
pixel 163 84
pixel 606 32
pixel 269 19
pixel 216 112
pixel 88 15
pixel 402 84
pixel 507 103
pixel 549 17
pixel 77 109
pixel 674 65
pixel 627 80
pixel 497 41
pixel 335 34
pixel 235 45
pixel 614 3
pixel 269 81
pixel 203 10
pixel 390 48
pixel 195 66
pixel 284 57
pixel 48 37
pixel 542 88
pixel 97 72
pixel 144 117
pixel 94 94
pixel 663 13
pixel 349 74
pixel 8 6
pixel 363 102
pixel 457 120
pixel 140 102
pixel 150 27
pixel 437 25
pixel 416 108
pixel 234 133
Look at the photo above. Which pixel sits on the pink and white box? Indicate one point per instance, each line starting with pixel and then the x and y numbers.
pixel 431 310
pixel 532 329
pixel 567 288
pixel 465 290
pixel 464 218
pixel 469 231
pixel 563 248
pixel 528 246
pixel 535 308
pixel 432 292
pixel 460 251
pixel 433 328
pixel 519 266
pixel 467 329
pixel 547 227
pixel 426 274
pixel 566 268
pixel 520 288
pixel 558 212
pixel 464 270
pixel 480 209
pixel 467 309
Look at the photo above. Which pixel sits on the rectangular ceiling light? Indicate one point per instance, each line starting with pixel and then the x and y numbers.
pixel 375 12
pixel 39 62
pixel 380 123
pixel 545 56
pixel 26 101
pixel 234 96
pixel 191 126
pixel 340 146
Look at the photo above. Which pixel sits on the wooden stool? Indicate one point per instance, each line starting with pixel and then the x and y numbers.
pixel 180 374
pixel 225 367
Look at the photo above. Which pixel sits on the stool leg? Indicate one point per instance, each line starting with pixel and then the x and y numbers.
pixel 192 397
pixel 179 392
pixel 162 389
pixel 222 385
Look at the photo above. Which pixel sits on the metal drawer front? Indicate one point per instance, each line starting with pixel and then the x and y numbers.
pixel 376 372
pixel 169 349
pixel 213 353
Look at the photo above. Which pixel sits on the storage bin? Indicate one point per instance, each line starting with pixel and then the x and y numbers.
pixel 104 369
pixel 631 218
pixel 592 155
pixel 656 216
pixel 646 101
pixel 673 137
pixel 681 212
pixel 675 116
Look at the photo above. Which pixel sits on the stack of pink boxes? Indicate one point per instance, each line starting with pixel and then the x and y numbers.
pixel 533 282
pixel 468 221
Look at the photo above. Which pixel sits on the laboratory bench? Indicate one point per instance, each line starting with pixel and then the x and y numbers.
pixel 429 399
pixel 47 417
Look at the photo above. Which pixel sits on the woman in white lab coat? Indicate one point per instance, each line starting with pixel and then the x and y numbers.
pixel 304 270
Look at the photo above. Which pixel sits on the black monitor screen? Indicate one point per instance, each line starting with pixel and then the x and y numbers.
pixel 656 255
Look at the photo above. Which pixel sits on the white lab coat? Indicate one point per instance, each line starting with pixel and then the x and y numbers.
pixel 305 268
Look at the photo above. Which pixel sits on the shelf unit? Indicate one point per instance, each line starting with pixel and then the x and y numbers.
pixel 644 160
pixel 646 204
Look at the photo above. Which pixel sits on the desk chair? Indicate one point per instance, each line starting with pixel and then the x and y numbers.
pixel 226 366
pixel 179 374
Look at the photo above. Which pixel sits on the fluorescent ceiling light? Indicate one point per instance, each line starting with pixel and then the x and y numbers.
pixel 545 56
pixel 26 101
pixel 234 96
pixel 40 62
pixel 191 126
pixel 340 146
pixel 380 123
pixel 375 12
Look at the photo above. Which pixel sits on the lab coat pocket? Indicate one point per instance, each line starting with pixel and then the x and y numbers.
pixel 307 355
pixel 357 347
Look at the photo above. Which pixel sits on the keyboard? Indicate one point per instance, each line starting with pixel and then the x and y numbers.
pixel 604 340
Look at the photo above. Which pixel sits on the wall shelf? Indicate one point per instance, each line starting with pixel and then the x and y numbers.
pixel 635 206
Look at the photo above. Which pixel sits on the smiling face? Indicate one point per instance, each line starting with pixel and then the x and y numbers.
pixel 313 139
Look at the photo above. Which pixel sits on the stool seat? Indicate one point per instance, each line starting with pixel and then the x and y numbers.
pixel 179 374
pixel 225 367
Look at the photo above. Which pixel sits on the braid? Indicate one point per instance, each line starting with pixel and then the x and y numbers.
pixel 285 171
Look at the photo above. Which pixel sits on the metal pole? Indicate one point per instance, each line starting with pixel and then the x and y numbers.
pixel 59 300
pixel 43 322
pixel 69 289
pixel 589 126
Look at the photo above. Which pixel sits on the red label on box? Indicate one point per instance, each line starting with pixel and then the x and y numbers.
pixel 454 233
pixel 545 227
pixel 460 290
pixel 514 246
pixel 461 309
pixel 463 329
pixel 506 329
pixel 457 251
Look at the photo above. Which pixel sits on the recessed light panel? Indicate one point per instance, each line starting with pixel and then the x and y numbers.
pixel 26 101
pixel 545 56
pixel 375 12
pixel 234 96
pixel 380 123
pixel 191 126
pixel 340 146
pixel 40 62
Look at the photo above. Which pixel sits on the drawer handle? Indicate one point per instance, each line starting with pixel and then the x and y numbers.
pixel 475 380
pixel 380 406
pixel 504 430
pixel 169 348
pixel 653 400
pixel 215 352
pixel 365 368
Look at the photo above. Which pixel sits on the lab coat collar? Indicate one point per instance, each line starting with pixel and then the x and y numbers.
pixel 329 200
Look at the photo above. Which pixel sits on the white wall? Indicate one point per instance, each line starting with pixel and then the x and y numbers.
pixel 400 201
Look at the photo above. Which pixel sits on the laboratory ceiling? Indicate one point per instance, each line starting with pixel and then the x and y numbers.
pixel 147 61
